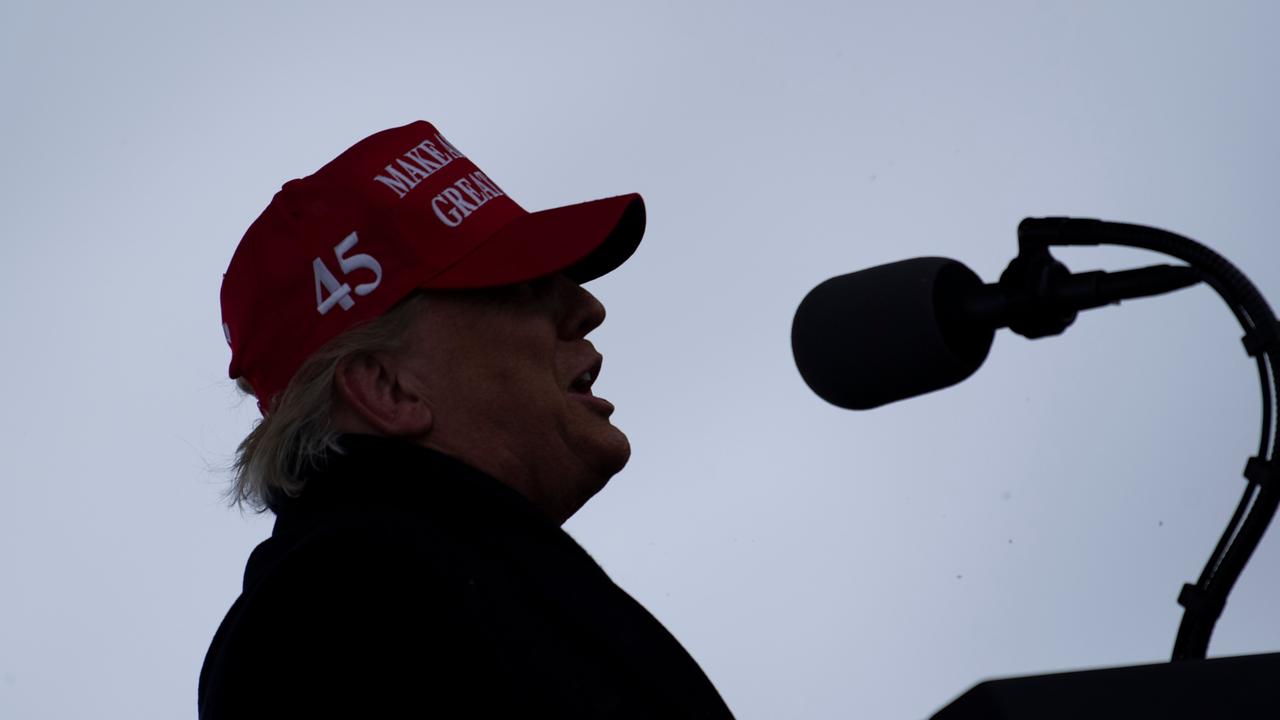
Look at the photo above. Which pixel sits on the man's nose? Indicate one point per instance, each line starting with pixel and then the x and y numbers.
pixel 582 311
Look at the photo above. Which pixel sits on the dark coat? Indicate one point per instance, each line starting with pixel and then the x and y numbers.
pixel 405 584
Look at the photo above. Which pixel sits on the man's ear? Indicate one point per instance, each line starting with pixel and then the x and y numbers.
pixel 373 389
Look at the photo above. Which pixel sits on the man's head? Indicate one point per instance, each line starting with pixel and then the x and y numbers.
pixel 398 291
pixel 492 377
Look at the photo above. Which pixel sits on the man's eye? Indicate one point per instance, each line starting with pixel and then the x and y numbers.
pixel 506 293
pixel 538 292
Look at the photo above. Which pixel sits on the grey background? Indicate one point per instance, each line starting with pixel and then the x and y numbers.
pixel 818 563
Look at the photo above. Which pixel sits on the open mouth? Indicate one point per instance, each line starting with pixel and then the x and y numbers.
pixel 587 377
pixel 581 388
pixel 582 385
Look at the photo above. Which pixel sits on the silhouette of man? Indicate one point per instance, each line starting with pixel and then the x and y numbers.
pixel 417 345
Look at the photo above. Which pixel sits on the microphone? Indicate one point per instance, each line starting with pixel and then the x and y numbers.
pixel 907 328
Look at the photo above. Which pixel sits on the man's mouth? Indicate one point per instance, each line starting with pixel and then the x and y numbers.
pixel 587 376
pixel 581 388
pixel 582 384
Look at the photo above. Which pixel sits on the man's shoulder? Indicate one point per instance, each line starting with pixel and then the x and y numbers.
pixel 354 598
pixel 393 605
pixel 359 554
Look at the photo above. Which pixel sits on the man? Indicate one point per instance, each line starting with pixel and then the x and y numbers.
pixel 417 345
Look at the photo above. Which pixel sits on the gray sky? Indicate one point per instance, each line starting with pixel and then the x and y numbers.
pixel 818 563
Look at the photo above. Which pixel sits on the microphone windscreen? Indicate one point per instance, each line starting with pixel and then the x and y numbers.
pixel 889 332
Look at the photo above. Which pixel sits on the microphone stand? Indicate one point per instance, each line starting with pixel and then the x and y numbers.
pixel 1037 296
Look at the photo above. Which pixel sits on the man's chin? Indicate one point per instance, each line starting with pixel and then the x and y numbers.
pixel 607 459
pixel 615 455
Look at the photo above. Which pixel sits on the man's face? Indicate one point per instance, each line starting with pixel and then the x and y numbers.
pixel 497 366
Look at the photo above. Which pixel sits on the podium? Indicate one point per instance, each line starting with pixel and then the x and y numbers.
pixel 1227 688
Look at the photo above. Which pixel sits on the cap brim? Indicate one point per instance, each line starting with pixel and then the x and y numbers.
pixel 584 241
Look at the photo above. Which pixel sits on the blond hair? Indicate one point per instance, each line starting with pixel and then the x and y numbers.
pixel 298 430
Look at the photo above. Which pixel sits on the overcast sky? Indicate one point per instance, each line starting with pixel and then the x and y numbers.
pixel 818 563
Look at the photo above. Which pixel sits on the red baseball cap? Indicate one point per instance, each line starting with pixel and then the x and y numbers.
pixel 399 211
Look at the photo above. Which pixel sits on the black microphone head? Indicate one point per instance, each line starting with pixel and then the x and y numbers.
pixel 889 332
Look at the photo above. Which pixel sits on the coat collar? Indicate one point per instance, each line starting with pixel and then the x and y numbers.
pixel 372 471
